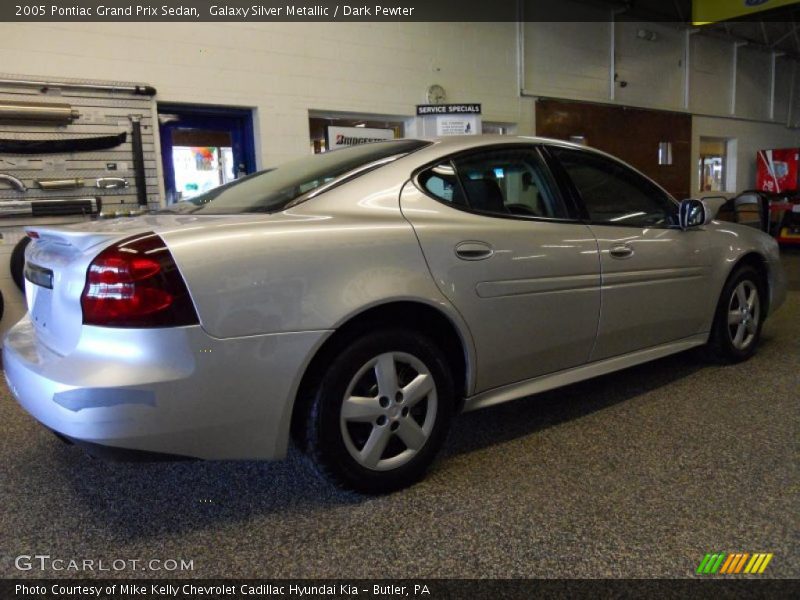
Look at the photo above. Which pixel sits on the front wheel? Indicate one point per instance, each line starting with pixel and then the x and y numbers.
pixel 380 412
pixel 739 317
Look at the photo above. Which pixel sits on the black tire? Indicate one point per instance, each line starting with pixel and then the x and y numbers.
pixel 722 346
pixel 325 436
pixel 2 306
pixel 17 265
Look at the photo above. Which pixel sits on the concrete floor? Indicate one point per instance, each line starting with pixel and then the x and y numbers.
pixel 636 474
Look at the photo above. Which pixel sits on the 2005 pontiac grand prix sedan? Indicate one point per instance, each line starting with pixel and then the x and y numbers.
pixel 354 301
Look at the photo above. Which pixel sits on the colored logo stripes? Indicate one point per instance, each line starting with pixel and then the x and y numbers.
pixel 734 564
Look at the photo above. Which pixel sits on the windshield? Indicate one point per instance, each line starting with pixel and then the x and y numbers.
pixel 274 189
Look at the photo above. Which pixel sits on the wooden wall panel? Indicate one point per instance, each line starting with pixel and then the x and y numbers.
pixel 631 134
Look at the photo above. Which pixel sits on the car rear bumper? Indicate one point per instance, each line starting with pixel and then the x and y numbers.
pixel 172 391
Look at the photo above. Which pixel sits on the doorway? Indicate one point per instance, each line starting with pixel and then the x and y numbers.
pixel 203 147
pixel 713 164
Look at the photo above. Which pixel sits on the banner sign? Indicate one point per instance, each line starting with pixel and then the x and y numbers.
pixel 421 11
pixel 263 10
pixel 448 109
pixel 380 589
pixel 341 137
pixel 711 11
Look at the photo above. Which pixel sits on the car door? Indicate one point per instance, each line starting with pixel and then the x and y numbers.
pixel 655 277
pixel 506 249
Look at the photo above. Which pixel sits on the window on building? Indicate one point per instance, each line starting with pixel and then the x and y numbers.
pixel 713 164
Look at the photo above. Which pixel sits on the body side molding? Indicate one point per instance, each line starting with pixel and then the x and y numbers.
pixel 551 381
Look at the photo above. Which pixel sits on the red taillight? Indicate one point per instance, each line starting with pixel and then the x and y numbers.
pixel 136 283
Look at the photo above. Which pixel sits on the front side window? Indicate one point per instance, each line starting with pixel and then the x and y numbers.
pixel 614 194
pixel 505 182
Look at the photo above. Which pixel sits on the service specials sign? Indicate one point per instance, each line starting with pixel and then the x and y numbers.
pixel 453 119
pixel 340 137
pixel 423 110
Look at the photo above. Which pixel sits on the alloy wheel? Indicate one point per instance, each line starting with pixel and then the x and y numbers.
pixel 389 411
pixel 744 313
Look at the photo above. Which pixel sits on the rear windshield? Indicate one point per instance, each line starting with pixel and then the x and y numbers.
pixel 272 190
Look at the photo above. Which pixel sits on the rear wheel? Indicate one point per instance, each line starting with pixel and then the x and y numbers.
pixel 380 412
pixel 739 317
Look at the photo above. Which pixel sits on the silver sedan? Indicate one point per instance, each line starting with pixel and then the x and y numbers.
pixel 355 301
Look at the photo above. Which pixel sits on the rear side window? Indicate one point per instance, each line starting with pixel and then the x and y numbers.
pixel 442 183
pixel 505 182
pixel 615 194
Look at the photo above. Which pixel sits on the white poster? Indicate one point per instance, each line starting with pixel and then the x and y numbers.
pixel 341 137
pixel 457 125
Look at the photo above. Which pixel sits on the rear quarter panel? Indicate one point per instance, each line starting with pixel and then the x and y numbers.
pixel 310 267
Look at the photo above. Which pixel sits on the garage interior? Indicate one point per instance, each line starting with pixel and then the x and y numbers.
pixel 636 474
pixel 675 455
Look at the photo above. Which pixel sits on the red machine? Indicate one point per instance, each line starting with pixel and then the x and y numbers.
pixel 777 170
pixel 777 173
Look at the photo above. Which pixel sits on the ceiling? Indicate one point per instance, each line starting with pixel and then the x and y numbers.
pixel 773 30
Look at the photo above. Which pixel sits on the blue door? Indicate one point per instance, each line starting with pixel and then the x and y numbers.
pixel 203 147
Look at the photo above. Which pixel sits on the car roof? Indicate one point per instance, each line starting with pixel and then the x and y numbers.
pixel 459 142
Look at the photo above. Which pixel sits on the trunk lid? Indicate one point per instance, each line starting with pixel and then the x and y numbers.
pixel 57 260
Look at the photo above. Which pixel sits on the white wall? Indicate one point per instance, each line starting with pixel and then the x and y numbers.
pixel 579 60
pixel 285 69
pixel 786 74
pixel 653 70
pixel 568 59
pixel 710 75
pixel 753 77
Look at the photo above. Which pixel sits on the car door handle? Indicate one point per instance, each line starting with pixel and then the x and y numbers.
pixel 621 251
pixel 474 250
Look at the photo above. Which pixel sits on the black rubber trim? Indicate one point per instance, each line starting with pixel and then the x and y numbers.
pixel 144 90
pixel 62 146
pixel 138 163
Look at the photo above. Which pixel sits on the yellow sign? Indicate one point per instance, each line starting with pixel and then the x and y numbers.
pixel 711 11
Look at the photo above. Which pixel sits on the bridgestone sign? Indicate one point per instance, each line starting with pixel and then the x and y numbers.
pixel 339 137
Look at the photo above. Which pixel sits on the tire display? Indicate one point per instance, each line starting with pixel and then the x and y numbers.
pixel 17 265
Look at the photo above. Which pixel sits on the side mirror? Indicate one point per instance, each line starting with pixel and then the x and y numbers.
pixel 691 213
